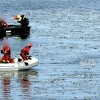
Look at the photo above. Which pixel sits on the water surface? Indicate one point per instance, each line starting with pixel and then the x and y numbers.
pixel 66 36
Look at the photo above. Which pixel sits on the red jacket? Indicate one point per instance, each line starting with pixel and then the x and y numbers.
pixel 6 50
pixel 3 23
pixel 26 50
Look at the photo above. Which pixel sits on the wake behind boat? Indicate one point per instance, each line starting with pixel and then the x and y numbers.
pixel 19 65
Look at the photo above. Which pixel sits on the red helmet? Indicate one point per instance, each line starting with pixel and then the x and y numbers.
pixel 15 17
pixel 30 44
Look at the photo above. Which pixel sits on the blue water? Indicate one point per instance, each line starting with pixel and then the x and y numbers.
pixel 66 40
pixel 17 5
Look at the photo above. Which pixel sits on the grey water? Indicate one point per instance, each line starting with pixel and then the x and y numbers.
pixel 66 40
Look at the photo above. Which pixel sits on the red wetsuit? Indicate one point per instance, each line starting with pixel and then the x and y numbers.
pixel 25 52
pixel 6 52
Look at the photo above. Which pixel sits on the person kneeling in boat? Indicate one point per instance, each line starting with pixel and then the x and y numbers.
pixel 7 53
pixel 25 52
pixel 22 20
pixel 3 24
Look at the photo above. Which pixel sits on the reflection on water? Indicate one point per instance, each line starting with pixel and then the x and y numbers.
pixel 25 84
pixel 21 78
pixel 6 87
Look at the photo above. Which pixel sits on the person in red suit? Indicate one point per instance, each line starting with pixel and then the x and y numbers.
pixel 3 24
pixel 25 52
pixel 6 51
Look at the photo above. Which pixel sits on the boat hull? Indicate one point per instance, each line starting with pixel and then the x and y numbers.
pixel 15 30
pixel 23 65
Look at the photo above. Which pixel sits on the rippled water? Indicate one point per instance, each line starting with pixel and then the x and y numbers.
pixel 17 85
pixel 66 36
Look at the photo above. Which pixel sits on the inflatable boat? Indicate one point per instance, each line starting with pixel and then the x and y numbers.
pixel 14 30
pixel 19 65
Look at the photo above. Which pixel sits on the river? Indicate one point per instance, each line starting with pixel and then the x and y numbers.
pixel 65 36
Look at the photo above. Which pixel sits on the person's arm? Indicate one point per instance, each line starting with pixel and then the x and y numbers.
pixel 8 49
